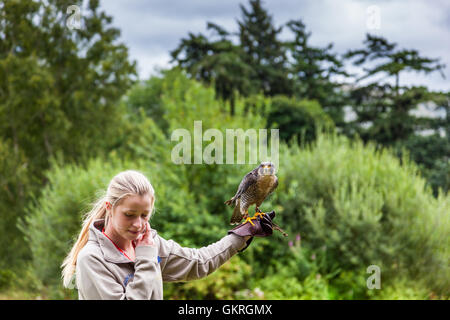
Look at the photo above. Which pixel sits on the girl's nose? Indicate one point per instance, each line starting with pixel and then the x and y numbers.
pixel 137 223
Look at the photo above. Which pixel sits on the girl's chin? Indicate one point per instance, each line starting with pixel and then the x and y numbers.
pixel 133 235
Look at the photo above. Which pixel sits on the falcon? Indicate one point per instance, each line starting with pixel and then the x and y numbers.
pixel 253 189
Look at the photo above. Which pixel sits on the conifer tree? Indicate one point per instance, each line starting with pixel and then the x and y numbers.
pixel 384 109
pixel 264 52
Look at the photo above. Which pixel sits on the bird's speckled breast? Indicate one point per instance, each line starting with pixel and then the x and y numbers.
pixel 266 182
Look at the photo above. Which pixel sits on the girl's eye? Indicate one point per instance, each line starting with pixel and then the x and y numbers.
pixel 144 216
pixel 128 215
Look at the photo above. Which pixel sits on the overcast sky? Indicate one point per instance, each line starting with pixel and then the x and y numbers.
pixel 152 28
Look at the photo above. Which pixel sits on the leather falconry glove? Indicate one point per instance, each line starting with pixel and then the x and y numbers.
pixel 261 227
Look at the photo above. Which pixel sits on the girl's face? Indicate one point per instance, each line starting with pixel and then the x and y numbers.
pixel 129 218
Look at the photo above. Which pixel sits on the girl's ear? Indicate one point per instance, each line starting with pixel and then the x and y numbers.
pixel 108 205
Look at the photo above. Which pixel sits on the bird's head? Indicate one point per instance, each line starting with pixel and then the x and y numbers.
pixel 266 168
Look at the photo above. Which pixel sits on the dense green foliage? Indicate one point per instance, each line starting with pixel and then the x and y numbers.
pixel 346 205
pixel 365 208
pixel 349 195
pixel 255 60
pixel 58 88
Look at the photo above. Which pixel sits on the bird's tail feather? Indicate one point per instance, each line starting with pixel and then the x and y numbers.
pixel 237 215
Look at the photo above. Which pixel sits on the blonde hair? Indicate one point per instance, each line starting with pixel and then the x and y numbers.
pixel 124 184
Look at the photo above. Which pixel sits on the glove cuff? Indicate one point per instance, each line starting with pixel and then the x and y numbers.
pixel 247 243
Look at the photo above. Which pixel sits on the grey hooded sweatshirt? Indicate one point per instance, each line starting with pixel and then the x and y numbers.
pixel 103 272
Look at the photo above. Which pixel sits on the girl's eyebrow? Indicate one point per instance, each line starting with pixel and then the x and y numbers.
pixel 130 210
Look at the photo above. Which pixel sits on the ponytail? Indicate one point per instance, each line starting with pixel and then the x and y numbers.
pixel 98 212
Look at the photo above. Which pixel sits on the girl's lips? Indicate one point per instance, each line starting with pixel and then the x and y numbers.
pixel 134 232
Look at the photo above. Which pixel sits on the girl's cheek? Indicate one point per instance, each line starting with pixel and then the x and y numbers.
pixel 123 224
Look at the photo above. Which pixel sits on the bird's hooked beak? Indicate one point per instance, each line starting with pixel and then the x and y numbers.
pixel 267 169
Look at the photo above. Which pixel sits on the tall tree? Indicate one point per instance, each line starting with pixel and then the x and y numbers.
pixel 258 63
pixel 387 112
pixel 218 62
pixel 58 86
pixel 264 52
pixel 313 70
pixel 392 61
pixel 384 108
pixel 74 76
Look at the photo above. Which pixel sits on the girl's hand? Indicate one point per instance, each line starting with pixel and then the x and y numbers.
pixel 146 238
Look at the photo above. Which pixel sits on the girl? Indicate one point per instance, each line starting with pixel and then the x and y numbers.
pixel 118 256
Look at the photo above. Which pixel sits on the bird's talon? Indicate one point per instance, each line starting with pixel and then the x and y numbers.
pixel 248 219
pixel 259 214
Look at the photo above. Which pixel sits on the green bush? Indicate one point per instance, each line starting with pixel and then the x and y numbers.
pixel 7 278
pixel 366 207
pixel 431 154
pixel 226 283
pixel 15 183
pixel 303 274
pixel 403 289
pixel 313 287
pixel 351 285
